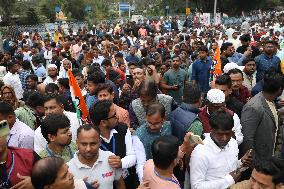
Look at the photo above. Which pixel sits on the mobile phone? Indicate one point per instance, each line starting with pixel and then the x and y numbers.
pixel 129 80
pixel 195 139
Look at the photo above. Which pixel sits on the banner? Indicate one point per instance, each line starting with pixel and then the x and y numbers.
pixel 78 99
pixel 218 19
pixel 206 19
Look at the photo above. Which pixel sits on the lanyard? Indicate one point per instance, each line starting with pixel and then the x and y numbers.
pixel 50 153
pixel 113 145
pixel 167 179
pixel 11 170
pixel 9 140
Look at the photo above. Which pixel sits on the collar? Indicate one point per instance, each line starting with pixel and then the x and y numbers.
pixel 111 134
pixel 216 149
pixel 14 129
pixel 190 108
pixel 80 165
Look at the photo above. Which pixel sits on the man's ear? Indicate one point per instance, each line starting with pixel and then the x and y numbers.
pixel 51 137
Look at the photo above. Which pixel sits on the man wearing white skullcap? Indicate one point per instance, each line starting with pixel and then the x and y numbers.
pixel 216 101
pixel 215 164
pixel 52 74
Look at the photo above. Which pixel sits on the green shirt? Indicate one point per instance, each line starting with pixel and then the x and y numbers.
pixel 196 128
pixel 172 78
pixel 67 153
pixel 27 116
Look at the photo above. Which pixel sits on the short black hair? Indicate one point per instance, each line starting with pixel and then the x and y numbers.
pixel 32 77
pixel 26 65
pixel 279 177
pixel 221 120
pixel 106 62
pixel 224 79
pixel 164 151
pixel 99 111
pixel 119 54
pixel 45 171
pixel 64 82
pixel 11 64
pixel 156 108
pixel 236 71
pixel 203 48
pixel 267 166
pixel 87 127
pixel 191 93
pixel 35 99
pixel 272 81
pixel 148 88
pixel 225 46
pixel 6 109
pixel 104 86
pixel 247 60
pixel 51 88
pixel 52 123
pixel 270 42
pixel 96 78
pixel 59 99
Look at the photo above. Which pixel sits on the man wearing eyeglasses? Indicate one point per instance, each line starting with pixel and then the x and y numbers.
pixel 154 127
pixel 116 138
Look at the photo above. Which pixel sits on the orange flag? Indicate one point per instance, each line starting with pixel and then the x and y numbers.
pixel 217 60
pixel 78 99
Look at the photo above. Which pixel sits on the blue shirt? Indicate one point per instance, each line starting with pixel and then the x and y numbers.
pixel 132 58
pixel 40 71
pixel 147 138
pixel 201 73
pixel 90 100
pixel 263 63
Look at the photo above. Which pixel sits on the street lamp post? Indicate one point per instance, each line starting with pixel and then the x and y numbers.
pixel 215 8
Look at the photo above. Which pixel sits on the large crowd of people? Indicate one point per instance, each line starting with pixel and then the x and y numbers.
pixel 159 117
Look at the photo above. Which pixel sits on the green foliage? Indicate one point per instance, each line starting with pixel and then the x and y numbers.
pixel 40 11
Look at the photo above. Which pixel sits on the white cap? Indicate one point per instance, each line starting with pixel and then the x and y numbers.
pixel 230 66
pixel 51 66
pixel 215 96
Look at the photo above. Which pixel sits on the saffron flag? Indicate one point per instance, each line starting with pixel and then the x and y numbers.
pixel 78 99
pixel 216 68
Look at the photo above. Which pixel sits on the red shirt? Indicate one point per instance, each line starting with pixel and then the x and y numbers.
pixel 243 95
pixel 23 163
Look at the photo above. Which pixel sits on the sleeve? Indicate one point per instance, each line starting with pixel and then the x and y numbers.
pixel 238 129
pixel 141 156
pixel 133 119
pixel 194 72
pixel 130 159
pixel 117 174
pixel 240 61
pixel 249 121
pixel 198 168
pixel 196 128
pixel 166 78
pixel 126 118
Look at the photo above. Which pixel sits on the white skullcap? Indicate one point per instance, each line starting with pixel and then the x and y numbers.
pixel 51 66
pixel 230 66
pixel 215 96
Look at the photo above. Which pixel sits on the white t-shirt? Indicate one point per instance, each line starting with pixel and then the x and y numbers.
pixel 101 171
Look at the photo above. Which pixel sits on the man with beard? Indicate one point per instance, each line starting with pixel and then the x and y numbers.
pixel 249 73
pixel 92 163
pixel 55 128
pixel 266 60
pixel 116 138
pixel 52 74
pixel 174 80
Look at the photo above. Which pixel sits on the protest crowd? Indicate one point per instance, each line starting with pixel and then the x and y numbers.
pixel 159 104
